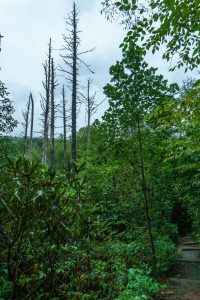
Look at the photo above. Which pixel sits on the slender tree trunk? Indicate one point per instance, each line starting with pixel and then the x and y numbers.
pixel 31 129
pixel 52 129
pixel 26 122
pixel 47 106
pixel 72 60
pixel 64 128
pixel 145 194
pixel 89 115
pixel 89 131
pixel 74 86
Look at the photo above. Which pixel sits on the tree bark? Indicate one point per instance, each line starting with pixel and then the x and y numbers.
pixel 89 114
pixel 52 129
pixel 74 85
pixel 25 125
pixel 47 105
pixel 64 128
pixel 72 60
pixel 31 129
pixel 145 195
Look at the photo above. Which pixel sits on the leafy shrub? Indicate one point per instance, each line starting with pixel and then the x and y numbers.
pixel 166 253
pixel 140 286
pixel 6 288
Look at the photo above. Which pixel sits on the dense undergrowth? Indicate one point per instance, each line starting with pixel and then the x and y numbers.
pixel 82 232
pixel 57 243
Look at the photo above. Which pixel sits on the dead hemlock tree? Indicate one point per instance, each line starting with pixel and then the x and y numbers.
pixel 73 61
pixel 91 108
pixel 28 116
pixel 53 110
pixel 31 128
pixel 25 114
pixel 64 115
pixel 45 103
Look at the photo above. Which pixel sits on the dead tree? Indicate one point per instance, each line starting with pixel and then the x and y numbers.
pixel 25 114
pixel 91 108
pixel 52 113
pixel 31 128
pixel 45 103
pixel 64 116
pixel 72 60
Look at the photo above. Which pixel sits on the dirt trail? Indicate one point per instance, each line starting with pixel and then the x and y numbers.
pixel 185 279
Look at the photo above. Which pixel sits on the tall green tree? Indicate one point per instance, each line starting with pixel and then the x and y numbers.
pixel 135 90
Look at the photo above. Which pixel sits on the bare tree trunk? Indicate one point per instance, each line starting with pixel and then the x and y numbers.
pixel 89 114
pixel 64 128
pixel 74 84
pixel 73 61
pixel 31 129
pixel 91 109
pixel 25 125
pixel 52 129
pixel 145 194
pixel 47 68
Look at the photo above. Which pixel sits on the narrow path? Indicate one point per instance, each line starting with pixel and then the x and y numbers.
pixel 185 279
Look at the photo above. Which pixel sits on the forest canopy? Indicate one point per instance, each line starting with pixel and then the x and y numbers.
pixel 153 23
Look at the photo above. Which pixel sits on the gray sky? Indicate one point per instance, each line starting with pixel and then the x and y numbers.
pixel 27 26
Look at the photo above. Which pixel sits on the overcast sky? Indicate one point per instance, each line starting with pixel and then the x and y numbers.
pixel 27 26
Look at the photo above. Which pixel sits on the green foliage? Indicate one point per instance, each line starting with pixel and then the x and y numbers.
pixel 181 158
pixel 82 232
pixel 154 23
pixel 57 240
pixel 7 123
pixel 6 286
pixel 166 253
pixel 39 220
pixel 7 147
pixel 140 286
pixel 134 92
